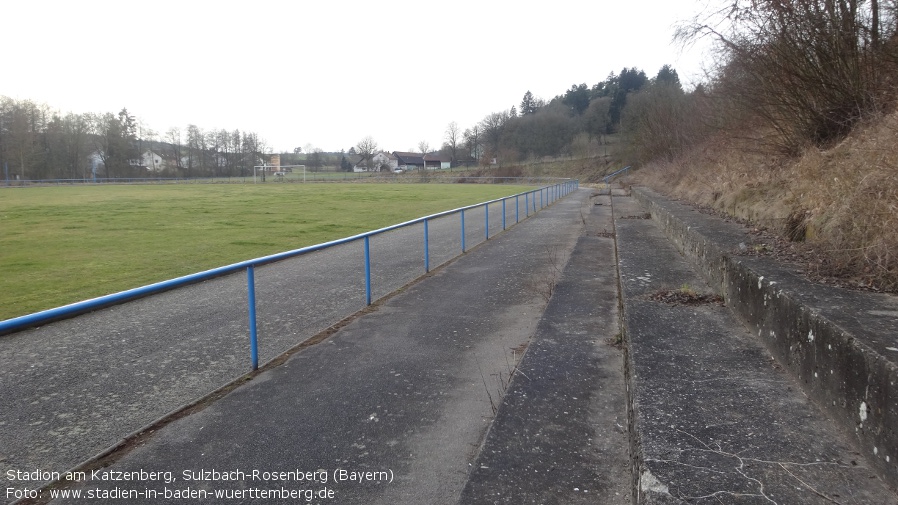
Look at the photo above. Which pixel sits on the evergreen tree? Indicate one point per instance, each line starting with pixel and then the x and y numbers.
pixel 629 81
pixel 577 98
pixel 528 104
pixel 667 75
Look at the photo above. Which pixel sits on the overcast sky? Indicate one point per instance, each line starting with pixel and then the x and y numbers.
pixel 327 73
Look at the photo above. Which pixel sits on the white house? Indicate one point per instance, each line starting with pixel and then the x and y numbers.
pixel 380 161
pixel 154 162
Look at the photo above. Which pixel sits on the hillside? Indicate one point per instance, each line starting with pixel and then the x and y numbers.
pixel 837 208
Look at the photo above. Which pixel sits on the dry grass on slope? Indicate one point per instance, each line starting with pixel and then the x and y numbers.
pixel 841 203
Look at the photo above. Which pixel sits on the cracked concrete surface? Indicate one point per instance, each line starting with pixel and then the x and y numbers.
pixel 714 418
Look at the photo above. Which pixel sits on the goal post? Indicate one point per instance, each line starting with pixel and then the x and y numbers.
pixel 278 170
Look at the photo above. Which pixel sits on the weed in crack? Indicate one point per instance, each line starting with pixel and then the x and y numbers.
pixel 503 378
pixel 617 341
pixel 545 282
pixel 493 406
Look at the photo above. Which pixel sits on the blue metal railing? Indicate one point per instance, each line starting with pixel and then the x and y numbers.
pixel 610 176
pixel 18 323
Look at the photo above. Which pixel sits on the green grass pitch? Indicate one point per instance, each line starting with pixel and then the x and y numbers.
pixel 60 245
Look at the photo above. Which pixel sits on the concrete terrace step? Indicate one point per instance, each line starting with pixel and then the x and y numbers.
pixel 560 432
pixel 714 417
pixel 841 344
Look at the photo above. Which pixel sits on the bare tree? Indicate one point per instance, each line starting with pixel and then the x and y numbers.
pixel 657 122
pixel 114 138
pixel 453 140
pixel 18 135
pixel 474 141
pixel 492 126
pixel 173 138
pixel 424 147
pixel 225 158
pixel 76 128
pixel 366 148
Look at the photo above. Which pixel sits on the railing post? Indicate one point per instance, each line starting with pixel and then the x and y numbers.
pixel 486 220
pixel 367 270
pixel 426 249
pixel 251 296
pixel 503 212
pixel 463 230
pixel 517 210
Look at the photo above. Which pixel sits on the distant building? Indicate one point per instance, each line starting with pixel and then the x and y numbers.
pixel 152 161
pixel 409 161
pixel 399 160
pixel 415 161
pixel 379 162
pixel 436 161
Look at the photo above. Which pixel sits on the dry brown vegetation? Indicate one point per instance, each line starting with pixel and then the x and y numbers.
pixel 841 201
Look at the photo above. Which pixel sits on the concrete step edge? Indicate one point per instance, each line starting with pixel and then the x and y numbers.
pixel 851 380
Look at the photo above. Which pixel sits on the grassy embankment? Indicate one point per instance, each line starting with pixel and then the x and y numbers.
pixel 59 245
pixel 839 204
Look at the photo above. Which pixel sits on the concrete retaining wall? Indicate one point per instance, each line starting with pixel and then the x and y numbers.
pixel 840 344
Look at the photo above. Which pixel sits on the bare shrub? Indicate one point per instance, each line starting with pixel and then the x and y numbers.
pixel 811 69
pixel 656 123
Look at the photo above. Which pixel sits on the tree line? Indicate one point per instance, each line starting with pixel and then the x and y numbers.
pixel 561 126
pixel 38 143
